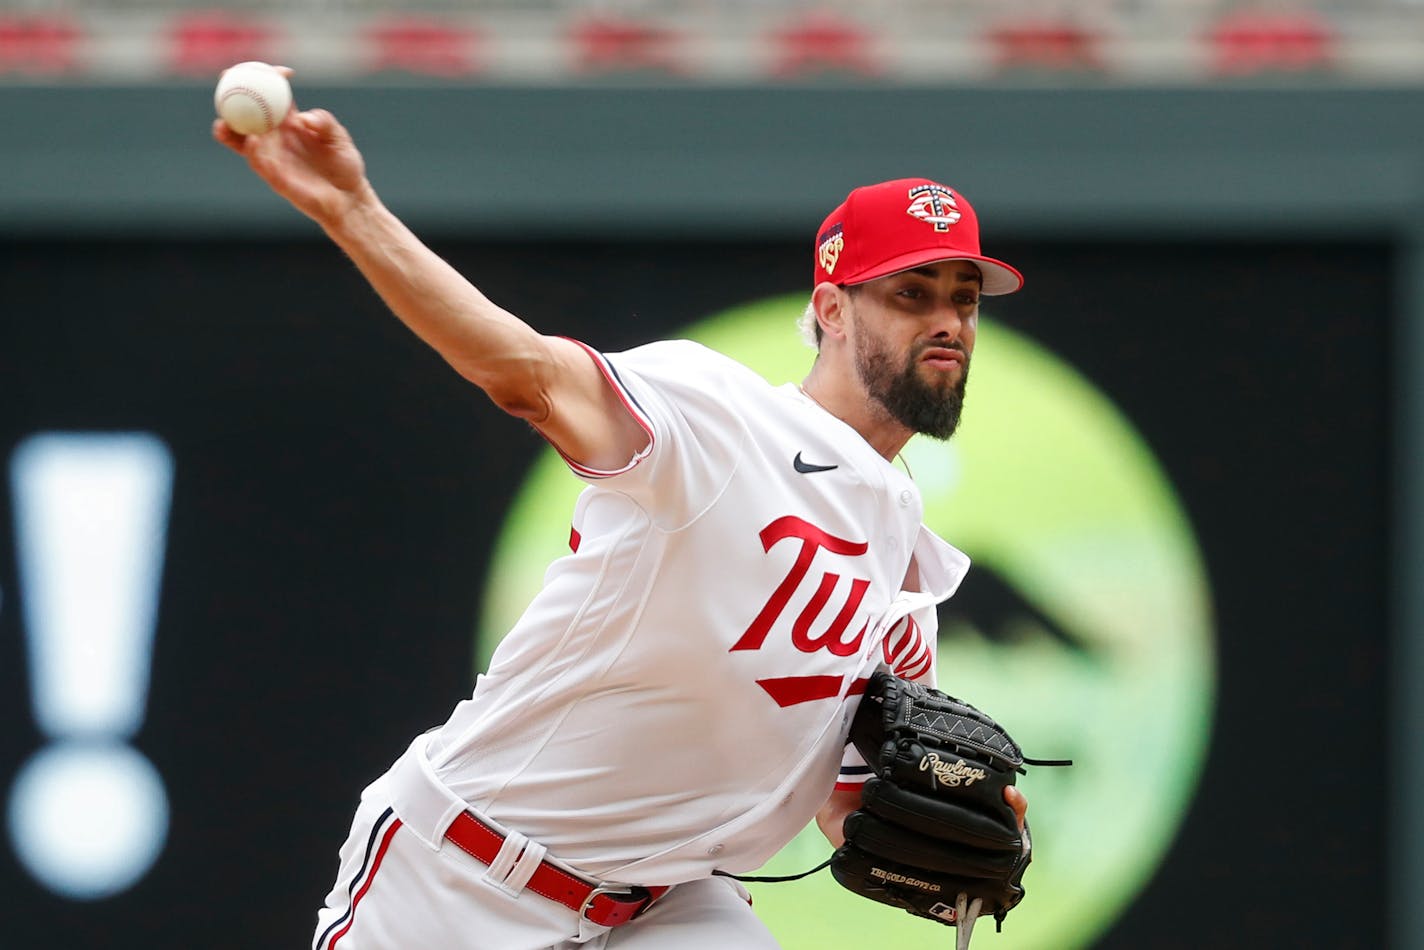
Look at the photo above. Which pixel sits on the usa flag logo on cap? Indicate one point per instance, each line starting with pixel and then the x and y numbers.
pixel 832 243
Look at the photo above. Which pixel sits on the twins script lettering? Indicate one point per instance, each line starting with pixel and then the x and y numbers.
pixel 834 638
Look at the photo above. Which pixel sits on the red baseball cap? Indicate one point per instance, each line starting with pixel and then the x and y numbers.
pixel 895 225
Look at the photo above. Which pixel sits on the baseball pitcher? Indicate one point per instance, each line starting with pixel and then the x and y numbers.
pixel 747 570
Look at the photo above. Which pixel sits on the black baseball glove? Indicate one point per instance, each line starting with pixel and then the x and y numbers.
pixel 933 834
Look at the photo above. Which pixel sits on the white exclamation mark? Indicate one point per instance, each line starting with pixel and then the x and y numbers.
pixel 88 812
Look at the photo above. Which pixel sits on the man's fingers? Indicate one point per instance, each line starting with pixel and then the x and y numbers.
pixel 322 125
pixel 293 118
pixel 1017 802
pixel 224 135
pixel 317 126
pixel 326 131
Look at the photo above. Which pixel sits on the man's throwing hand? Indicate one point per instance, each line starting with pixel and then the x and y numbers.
pixel 309 159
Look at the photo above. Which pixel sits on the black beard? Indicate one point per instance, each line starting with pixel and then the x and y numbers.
pixel 915 404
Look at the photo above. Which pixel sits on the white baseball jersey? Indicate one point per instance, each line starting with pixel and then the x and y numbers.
pixel 677 697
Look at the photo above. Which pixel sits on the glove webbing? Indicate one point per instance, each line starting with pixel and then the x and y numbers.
pixel 966 912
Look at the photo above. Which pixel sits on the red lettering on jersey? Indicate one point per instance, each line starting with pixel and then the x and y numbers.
pixel 831 639
pixel 907 651
pixel 813 539
pixel 790 690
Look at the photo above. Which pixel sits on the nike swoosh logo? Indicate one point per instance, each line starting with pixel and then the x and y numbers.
pixel 806 468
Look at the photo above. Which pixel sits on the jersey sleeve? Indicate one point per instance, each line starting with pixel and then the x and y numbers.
pixel 686 398
pixel 853 772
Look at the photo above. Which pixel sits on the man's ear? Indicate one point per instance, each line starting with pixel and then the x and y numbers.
pixel 830 303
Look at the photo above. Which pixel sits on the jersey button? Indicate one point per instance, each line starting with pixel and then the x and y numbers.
pixel 715 850
pixel 906 498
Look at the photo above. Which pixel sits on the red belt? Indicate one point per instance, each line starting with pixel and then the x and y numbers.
pixel 605 904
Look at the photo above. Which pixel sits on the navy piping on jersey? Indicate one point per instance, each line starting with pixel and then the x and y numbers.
pixel 619 380
pixel 351 891
pixel 629 403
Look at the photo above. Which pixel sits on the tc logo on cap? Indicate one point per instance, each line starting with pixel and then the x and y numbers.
pixel 829 250
pixel 933 204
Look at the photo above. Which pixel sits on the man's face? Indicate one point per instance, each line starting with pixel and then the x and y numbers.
pixel 913 334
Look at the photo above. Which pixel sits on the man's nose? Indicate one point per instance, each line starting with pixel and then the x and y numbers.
pixel 947 322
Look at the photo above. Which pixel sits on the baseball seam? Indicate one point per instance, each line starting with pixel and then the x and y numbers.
pixel 256 98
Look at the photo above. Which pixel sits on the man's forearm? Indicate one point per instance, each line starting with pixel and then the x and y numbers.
pixel 486 344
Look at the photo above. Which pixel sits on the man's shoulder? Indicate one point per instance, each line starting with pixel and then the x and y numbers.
pixel 680 350
pixel 681 360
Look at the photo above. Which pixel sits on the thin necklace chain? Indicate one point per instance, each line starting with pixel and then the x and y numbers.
pixel 900 456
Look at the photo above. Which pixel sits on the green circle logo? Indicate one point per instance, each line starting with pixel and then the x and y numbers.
pixel 1085 628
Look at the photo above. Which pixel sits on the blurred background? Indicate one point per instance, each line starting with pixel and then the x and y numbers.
pixel 255 536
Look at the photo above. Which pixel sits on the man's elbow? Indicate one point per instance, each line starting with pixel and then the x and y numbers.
pixel 517 388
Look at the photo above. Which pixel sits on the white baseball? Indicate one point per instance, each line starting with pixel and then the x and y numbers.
pixel 253 98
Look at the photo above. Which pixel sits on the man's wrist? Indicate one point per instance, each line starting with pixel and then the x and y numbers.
pixel 354 214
